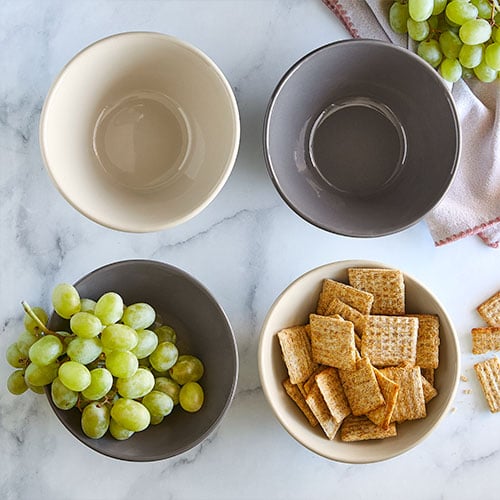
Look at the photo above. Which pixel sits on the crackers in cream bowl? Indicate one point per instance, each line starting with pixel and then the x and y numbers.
pixel 359 361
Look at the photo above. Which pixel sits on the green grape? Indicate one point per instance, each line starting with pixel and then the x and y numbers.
pixel 484 73
pixel 15 357
pixel 418 30
pixel 164 356
pixel 450 44
pixel 146 344
pixel 66 300
pixel 495 34
pixel 433 22
pixel 35 389
pixel 492 56
pixel 450 70
pixel 46 350
pixel 187 369
pixel 63 398
pixel 101 382
pixel 25 341
pixel 467 73
pixel 136 386
pixel 121 364
pixel 430 51
pixel 118 337
pixel 119 432
pixel 158 403
pixel 191 397
pixel 139 316
pixel 483 8
pixel 439 6
pixel 84 351
pixel 420 10
pixel 87 305
pixel 74 375
pixel 39 376
pixel 130 414
pixel 156 420
pixel 471 55
pixel 95 420
pixel 16 383
pixel 475 31
pixel 85 325
pixel 460 12
pixel 168 386
pixel 109 308
pixel 166 333
pixel 398 16
pixel 30 324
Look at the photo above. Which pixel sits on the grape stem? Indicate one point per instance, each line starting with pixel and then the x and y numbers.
pixel 36 319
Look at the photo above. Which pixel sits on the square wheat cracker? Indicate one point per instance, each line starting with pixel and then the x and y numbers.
pixel 427 340
pixel 361 388
pixel 485 339
pixel 333 393
pixel 318 406
pixel 488 374
pixel 386 285
pixel 428 374
pixel 430 392
pixel 360 300
pixel 306 386
pixel 389 389
pixel 410 404
pixel 337 307
pixel 332 342
pixel 293 391
pixel 296 351
pixel 360 428
pixel 490 310
pixel 390 340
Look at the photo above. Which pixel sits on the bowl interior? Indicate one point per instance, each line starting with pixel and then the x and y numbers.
pixel 202 330
pixel 140 130
pixel 292 307
pixel 361 138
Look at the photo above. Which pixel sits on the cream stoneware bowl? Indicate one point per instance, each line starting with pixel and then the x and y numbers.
pixel 292 307
pixel 140 131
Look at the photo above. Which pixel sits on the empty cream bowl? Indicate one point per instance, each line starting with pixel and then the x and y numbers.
pixel 140 131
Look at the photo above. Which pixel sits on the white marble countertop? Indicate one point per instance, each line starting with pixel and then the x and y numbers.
pixel 245 247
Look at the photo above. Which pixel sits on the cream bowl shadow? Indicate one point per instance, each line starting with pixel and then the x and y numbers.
pixel 140 131
pixel 292 307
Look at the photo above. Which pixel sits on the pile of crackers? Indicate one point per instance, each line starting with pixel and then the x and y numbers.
pixel 361 364
pixel 485 339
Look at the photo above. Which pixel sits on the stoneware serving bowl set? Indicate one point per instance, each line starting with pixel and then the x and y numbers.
pixel 140 131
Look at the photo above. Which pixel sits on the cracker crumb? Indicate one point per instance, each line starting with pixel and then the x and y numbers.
pixel 463 378
pixel 467 391
pixel 453 410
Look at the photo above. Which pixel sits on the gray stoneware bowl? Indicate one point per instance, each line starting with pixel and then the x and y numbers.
pixel 202 330
pixel 361 138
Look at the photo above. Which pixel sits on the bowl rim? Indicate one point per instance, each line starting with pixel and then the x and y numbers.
pixel 230 162
pixel 232 392
pixel 295 67
pixel 265 371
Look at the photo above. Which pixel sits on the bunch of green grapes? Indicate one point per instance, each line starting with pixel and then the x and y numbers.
pixel 117 364
pixel 461 38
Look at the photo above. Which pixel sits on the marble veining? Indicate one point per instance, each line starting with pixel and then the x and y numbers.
pixel 245 247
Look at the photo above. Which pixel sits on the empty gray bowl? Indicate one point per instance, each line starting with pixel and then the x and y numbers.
pixel 361 138
pixel 202 330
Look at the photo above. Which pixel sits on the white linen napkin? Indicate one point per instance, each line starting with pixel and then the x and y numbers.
pixel 472 204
